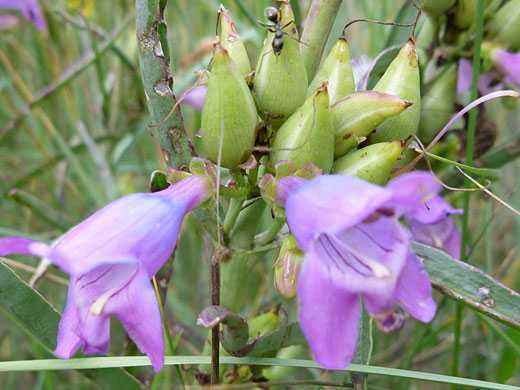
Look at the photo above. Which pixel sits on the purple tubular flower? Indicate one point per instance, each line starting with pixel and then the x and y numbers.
pixel 111 257
pixel 432 225
pixel 195 98
pixel 510 63
pixel 355 246
pixel 30 10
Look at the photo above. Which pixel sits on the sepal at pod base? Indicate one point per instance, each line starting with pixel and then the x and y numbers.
pixel 287 267
pixel 505 25
pixel 438 103
pixel 280 81
pixel 271 192
pixel 356 115
pixel 229 118
pixel 372 163
pixel 307 136
pixel 401 79
pixel 337 71
pixel 232 43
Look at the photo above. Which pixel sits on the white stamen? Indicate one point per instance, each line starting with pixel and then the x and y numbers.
pixel 99 304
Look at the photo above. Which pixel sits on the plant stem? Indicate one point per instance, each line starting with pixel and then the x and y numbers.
pixel 215 300
pixel 469 161
pixel 235 205
pixel 316 33
pixel 270 234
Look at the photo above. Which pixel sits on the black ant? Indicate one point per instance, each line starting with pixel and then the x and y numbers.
pixel 272 14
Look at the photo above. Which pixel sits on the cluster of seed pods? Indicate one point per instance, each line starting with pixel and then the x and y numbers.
pixel 280 113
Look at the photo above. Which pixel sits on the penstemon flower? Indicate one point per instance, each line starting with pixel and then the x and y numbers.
pixel 30 10
pixel 111 257
pixel 432 225
pixel 355 246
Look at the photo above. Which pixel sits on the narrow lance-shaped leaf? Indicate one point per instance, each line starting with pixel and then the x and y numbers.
pixel 463 282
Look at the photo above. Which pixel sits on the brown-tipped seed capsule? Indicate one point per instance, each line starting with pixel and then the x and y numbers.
pixel 229 117
pixel 358 114
pixel 438 103
pixel 287 267
pixel 307 136
pixel 337 71
pixel 232 43
pixel 372 163
pixel 505 25
pixel 280 82
pixel 401 79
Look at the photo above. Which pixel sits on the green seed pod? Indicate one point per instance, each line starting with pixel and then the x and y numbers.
pixel 438 103
pixel 287 267
pixel 372 163
pixel 505 25
pixel 401 79
pixel 438 7
pixel 465 14
pixel 337 71
pixel 280 82
pixel 307 136
pixel 232 43
pixel 355 116
pixel 229 119
pixel 263 323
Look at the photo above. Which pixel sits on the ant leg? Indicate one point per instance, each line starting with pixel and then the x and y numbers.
pixel 268 27
pixel 290 36
pixel 259 66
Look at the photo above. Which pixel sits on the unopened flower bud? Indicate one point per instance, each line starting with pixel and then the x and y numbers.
pixel 372 163
pixel 337 71
pixel 307 136
pixel 229 117
pixel 280 82
pixel 287 267
pixel 401 79
pixel 232 42
pixel 438 103
pixel 355 116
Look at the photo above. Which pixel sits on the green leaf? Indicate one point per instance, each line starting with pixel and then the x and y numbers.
pixel 29 310
pixel 141 361
pixel 471 286
pixel 363 349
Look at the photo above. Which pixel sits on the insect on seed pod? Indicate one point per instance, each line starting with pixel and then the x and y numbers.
pixel 280 82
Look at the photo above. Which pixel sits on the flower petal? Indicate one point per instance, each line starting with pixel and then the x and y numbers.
pixel 414 291
pixel 432 211
pixel 510 64
pixel 68 340
pixel 142 226
pixel 328 315
pixel 136 307
pixel 443 235
pixel 411 190
pixel 331 204
pixel 23 246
